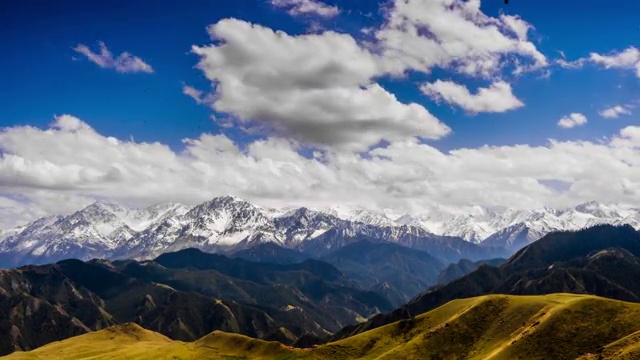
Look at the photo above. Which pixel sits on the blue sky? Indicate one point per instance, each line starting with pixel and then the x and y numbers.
pixel 342 100
pixel 38 38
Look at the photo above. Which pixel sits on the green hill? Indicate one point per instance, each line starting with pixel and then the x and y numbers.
pixel 558 326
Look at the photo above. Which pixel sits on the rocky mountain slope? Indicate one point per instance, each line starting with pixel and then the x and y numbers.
pixel 270 253
pixel 183 295
pixel 395 271
pixel 463 267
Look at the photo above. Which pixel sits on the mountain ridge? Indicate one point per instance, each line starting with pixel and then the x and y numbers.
pixel 228 224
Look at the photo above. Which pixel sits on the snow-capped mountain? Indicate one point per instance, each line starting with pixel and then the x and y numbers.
pixel 223 222
pixel 360 215
pixel 94 231
pixel 108 230
pixel 524 230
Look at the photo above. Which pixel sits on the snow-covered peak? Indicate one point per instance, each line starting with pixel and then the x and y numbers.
pixel 363 216
pixel 225 204
pixel 340 211
pixel 97 229
pixel 225 215
pixel 98 217
pixel 598 210
pixel 304 219
pixel 279 212
pixel 226 201
pixel 101 209
pixel 140 219
pixel 372 218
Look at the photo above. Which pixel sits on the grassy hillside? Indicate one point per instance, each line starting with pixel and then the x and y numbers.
pixel 559 326
pixel 130 341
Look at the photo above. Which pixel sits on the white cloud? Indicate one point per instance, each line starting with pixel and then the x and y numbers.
pixel 564 63
pixel 199 96
pixel 628 59
pixel 314 88
pixel 614 112
pixel 321 89
pixel 572 120
pixel 304 7
pixel 496 98
pixel 517 25
pixel 60 169
pixel 124 63
pixel 457 35
pixel 17 210
pixel 193 93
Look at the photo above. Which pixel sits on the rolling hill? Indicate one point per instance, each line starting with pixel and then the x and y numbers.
pixel 558 326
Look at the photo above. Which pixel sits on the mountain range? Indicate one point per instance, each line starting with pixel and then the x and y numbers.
pixel 229 225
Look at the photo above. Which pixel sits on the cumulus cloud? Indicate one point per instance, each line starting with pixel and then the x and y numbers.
pixel 123 63
pixel 455 34
pixel 615 112
pixel 315 88
pixel 305 7
pixel 572 120
pixel 65 166
pixel 321 89
pixel 496 98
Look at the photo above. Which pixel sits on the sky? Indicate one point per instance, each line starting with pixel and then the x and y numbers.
pixel 400 104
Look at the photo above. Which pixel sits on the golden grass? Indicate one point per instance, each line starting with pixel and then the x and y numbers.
pixel 493 327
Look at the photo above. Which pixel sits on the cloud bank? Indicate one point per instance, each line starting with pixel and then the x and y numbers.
pixel 69 164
